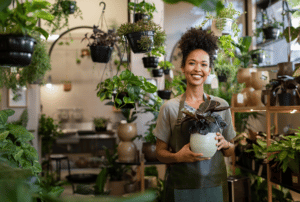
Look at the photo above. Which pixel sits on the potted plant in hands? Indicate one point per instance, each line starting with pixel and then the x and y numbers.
pixel 166 66
pixel 140 35
pixel 102 45
pixel 16 28
pixel 225 19
pixel 158 49
pixel 100 123
pixel 61 10
pixel 127 89
pixel 143 10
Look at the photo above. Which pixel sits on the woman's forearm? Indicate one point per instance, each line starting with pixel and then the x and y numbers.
pixel 166 156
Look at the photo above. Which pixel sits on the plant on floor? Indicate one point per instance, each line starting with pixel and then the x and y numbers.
pixel 61 10
pixel 24 17
pixel 134 87
pixel 49 131
pixel 142 8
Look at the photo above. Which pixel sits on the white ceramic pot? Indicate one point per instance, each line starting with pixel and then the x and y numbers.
pixel 227 29
pixel 205 144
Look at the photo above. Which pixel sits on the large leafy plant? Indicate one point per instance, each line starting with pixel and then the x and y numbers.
pixel 135 86
pixel 24 17
pixel 15 146
pixel 143 8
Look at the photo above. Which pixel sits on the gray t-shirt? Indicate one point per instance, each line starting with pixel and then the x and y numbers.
pixel 169 112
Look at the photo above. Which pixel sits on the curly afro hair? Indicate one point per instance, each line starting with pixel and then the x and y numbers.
pixel 198 39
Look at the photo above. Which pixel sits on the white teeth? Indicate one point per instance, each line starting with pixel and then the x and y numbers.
pixel 197 76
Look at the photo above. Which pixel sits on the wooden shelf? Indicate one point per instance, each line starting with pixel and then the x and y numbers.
pixel 271 109
pixel 247 109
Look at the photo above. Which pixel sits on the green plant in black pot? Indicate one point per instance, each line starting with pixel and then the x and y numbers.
pixel 16 28
pixel 33 73
pixel 166 93
pixel 61 10
pixel 140 35
pixel 101 45
pixel 224 68
pixel 158 49
pixel 271 29
pixel 127 89
pixel 166 66
pixel 143 10
pixel 100 123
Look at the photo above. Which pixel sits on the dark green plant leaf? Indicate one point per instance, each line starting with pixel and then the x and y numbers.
pixel 4 4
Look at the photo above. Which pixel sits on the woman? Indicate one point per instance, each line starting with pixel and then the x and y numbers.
pixel 191 177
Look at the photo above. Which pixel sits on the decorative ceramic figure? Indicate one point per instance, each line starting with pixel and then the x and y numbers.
pixel 127 149
pixel 244 75
pixel 205 125
pixel 259 79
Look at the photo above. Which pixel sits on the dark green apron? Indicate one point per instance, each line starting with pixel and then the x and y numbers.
pixel 202 181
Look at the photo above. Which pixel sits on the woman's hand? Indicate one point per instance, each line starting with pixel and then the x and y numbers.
pixel 222 143
pixel 186 155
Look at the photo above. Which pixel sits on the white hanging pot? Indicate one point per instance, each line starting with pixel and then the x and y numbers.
pixel 205 144
pixel 227 29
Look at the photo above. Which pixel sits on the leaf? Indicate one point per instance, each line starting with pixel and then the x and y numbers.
pixel 203 107
pixel 19 132
pixel 56 191
pixel 4 4
pixel 4 114
pixel 101 180
pixel 42 31
pixel 282 155
pixel 44 15
pixel 207 5
pixel 3 135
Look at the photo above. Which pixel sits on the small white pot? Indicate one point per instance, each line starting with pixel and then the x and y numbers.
pixel 227 29
pixel 205 144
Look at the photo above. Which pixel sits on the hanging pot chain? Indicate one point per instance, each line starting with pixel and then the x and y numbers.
pixel 102 16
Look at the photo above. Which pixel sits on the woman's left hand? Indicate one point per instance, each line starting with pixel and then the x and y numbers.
pixel 222 143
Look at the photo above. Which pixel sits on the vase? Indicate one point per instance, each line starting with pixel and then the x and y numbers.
pixel 249 91
pixel 256 99
pixel 127 152
pixel 240 100
pixel 135 37
pixel 16 50
pixel 149 150
pixel 101 54
pixel 259 79
pixel 157 72
pixel 127 131
pixel 285 68
pixel 205 144
pixel 164 94
pixel 244 75
pixel 150 62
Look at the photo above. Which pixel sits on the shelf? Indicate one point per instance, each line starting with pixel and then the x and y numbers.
pixel 271 109
pixel 249 170
pixel 269 42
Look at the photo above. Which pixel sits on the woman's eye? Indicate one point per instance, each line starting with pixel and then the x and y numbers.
pixel 204 65
pixel 191 63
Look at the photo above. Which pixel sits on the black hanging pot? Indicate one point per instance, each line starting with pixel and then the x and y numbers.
pixel 68 7
pixel 135 37
pixel 157 72
pixel 16 50
pixel 101 54
pixel 271 33
pixel 141 16
pixel 150 62
pixel 164 94
pixel 222 77
pixel 258 57
pixel 121 96
pixel 167 71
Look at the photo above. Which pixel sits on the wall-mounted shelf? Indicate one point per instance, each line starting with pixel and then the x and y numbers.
pixel 269 42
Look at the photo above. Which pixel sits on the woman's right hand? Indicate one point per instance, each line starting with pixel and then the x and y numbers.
pixel 186 155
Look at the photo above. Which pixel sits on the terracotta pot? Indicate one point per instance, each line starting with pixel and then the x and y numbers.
pixel 249 91
pixel 259 79
pixel 240 99
pixel 127 152
pixel 256 99
pixel 127 131
pixel 244 75
pixel 285 68
pixel 116 188
pixel 149 150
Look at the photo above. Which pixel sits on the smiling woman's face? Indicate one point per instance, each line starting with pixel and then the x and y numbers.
pixel 196 67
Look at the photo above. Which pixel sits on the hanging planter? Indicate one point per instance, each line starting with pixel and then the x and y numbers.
pixel 164 94
pixel 67 86
pixel 142 11
pixel 101 54
pixel 141 16
pixel 157 72
pixel 141 42
pixel 16 50
pixel 150 62
pixel 222 77
pixel 271 33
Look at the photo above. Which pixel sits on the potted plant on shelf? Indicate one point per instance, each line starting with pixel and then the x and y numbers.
pixel 225 19
pixel 127 89
pixel 143 10
pixel 16 28
pixel 100 123
pixel 61 10
pixel 166 66
pixel 140 35
pixel 158 49
pixel 102 45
